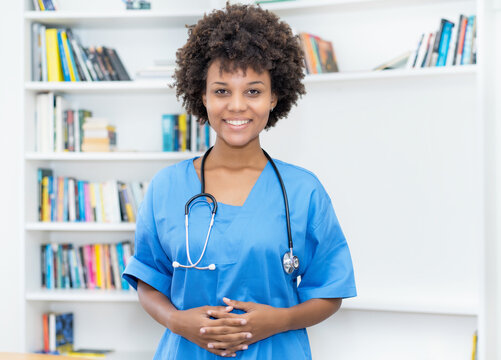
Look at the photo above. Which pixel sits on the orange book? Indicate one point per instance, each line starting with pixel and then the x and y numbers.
pixel 45 325
pixel 107 269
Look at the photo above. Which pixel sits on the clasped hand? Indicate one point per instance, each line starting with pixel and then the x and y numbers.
pixel 223 333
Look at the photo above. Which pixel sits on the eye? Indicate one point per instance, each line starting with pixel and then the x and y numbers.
pixel 220 91
pixel 254 92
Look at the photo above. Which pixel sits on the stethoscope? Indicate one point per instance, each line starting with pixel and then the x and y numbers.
pixel 290 262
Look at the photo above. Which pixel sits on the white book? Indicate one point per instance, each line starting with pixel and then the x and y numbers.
pixel 114 266
pixel 80 270
pixel 452 46
pixel 410 62
pixel 40 115
pixel 71 200
pixel 430 50
pixel 114 201
pixel 36 61
pixel 76 127
pixel 137 192
pixel 52 332
pixel 43 56
pixel 50 121
pixel 132 202
pixel 422 51
pixel 101 203
pixel 61 105
pixel 97 197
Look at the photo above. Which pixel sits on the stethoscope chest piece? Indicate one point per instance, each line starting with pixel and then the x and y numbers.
pixel 290 262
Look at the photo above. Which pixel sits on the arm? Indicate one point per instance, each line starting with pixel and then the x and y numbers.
pixel 188 323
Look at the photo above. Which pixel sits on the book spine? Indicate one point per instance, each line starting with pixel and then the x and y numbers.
pixel 168 123
pixel 123 71
pixel 63 58
pixel 65 200
pixel 68 56
pixel 54 70
pixel 444 43
pixel 459 54
pixel 468 41
pixel 115 267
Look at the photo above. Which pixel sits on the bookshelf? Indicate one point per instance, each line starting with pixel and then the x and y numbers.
pixel 382 101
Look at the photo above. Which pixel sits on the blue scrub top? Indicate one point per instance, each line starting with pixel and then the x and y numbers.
pixel 246 245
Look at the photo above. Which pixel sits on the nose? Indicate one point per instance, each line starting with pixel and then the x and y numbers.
pixel 237 103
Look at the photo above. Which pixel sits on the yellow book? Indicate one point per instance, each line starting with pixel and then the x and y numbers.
pixel 54 68
pixel 45 199
pixel 101 196
pixel 40 3
pixel 474 350
pixel 67 55
pixel 99 266
pixel 183 129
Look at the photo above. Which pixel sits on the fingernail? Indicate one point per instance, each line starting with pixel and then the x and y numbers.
pixel 243 322
pixel 209 312
pixel 244 347
pixel 226 299
pixel 210 346
pixel 233 355
pixel 202 330
pixel 249 335
pixel 223 354
pixel 229 308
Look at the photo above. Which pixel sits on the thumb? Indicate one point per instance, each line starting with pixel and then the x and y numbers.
pixel 242 305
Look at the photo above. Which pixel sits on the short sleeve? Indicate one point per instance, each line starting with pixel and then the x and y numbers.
pixel 149 264
pixel 328 272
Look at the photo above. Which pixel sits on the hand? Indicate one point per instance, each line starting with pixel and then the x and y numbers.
pixel 192 324
pixel 262 321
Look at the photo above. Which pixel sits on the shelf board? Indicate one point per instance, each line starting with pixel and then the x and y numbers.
pixel 418 307
pixel 155 86
pixel 128 18
pixel 111 156
pixel 82 295
pixel 78 226
pixel 300 7
pixel 391 74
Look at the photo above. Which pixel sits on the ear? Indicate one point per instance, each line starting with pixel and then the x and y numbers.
pixel 274 100
pixel 204 100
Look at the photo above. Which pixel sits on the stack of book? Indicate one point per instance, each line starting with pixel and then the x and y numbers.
pixel 181 132
pixel 58 55
pixel 452 44
pixel 45 5
pixel 65 199
pixel 58 128
pixel 318 53
pixel 90 266
pixel 57 332
pixel 98 135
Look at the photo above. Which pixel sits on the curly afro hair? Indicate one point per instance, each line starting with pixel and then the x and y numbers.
pixel 240 36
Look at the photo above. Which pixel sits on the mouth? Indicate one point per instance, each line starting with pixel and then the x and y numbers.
pixel 237 122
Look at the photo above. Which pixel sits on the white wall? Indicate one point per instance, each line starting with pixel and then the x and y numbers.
pixel 10 164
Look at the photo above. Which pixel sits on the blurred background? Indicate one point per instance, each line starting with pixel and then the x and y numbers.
pixel 399 123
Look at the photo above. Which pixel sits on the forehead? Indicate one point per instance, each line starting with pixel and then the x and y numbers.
pixel 218 72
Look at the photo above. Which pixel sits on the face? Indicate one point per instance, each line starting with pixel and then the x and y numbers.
pixel 238 105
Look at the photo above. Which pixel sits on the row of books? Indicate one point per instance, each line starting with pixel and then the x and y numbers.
pixel 58 128
pixel 452 44
pixel 66 199
pixel 90 266
pixel 98 135
pixel 45 5
pixel 181 132
pixel 58 337
pixel 318 53
pixel 58 55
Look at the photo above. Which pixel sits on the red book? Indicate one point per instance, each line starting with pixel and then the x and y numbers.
pixel 45 324
pixel 462 31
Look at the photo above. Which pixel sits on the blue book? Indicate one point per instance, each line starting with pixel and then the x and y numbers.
pixel 52 197
pixel 65 200
pixel 81 200
pixel 121 265
pixel 168 124
pixel 468 41
pixel 64 63
pixel 72 59
pixel 48 5
pixel 207 135
pixel 49 273
pixel 444 42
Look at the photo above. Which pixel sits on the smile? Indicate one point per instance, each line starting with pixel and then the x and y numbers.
pixel 237 122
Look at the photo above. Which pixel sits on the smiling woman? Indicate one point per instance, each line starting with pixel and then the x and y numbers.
pixel 240 70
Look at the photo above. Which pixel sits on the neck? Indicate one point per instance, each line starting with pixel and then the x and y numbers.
pixel 237 157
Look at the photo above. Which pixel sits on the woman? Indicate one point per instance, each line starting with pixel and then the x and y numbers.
pixel 224 289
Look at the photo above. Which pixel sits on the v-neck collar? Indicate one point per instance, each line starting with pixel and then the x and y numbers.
pixel 198 184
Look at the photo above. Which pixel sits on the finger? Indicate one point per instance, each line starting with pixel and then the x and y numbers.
pixel 236 348
pixel 208 331
pixel 242 305
pixel 224 353
pixel 222 314
pixel 231 321
pixel 234 339
pixel 222 309
pixel 219 345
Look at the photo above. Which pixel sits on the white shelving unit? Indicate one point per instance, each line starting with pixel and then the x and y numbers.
pixel 362 124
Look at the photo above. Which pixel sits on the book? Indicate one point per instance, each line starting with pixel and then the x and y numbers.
pixel 397 62
pixel 461 39
pixel 466 56
pixel 54 68
pixel 445 37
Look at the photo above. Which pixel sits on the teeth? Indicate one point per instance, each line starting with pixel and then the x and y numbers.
pixel 237 122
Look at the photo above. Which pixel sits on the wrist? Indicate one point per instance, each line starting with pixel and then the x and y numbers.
pixel 284 322
pixel 172 321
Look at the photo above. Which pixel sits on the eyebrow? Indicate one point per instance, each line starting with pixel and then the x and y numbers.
pixel 251 83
